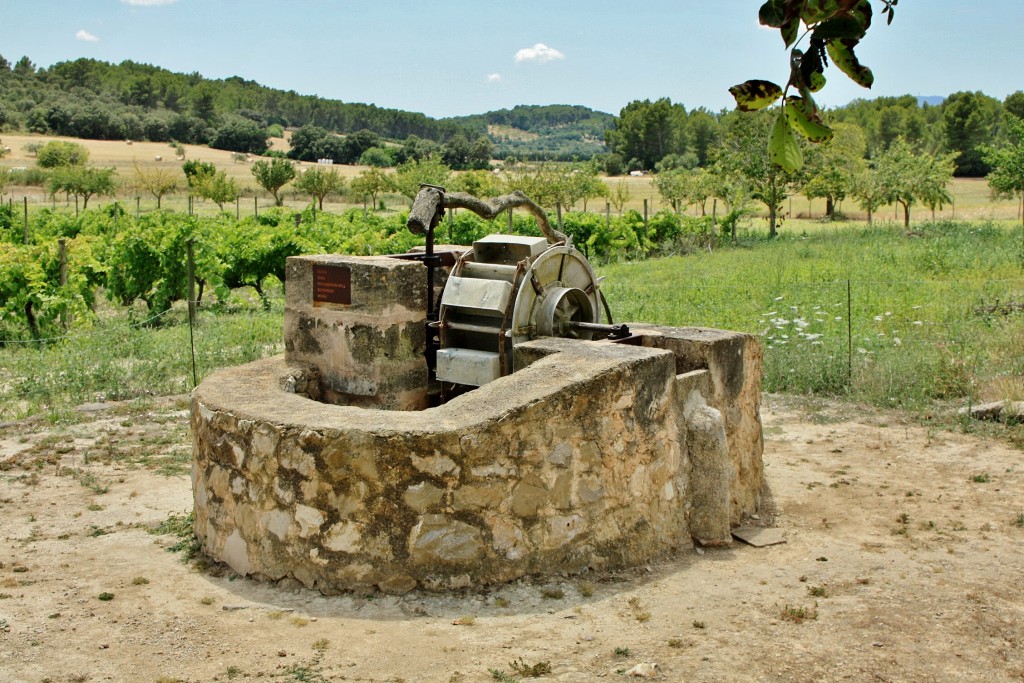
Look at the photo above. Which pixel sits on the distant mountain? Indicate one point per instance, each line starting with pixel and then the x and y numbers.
pixel 930 100
pixel 560 132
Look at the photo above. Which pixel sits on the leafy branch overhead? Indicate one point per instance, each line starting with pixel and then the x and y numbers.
pixel 833 28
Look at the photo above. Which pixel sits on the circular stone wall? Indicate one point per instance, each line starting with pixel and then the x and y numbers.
pixel 574 462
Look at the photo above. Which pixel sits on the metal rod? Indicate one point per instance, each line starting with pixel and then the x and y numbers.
pixel 595 327
pixel 470 327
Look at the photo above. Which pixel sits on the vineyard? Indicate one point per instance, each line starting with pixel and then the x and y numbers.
pixel 92 307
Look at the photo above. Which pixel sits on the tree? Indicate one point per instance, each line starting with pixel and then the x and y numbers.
pixel 619 195
pixel 410 175
pixel 671 187
pixel 241 135
pixel 909 177
pixel 311 143
pixel 83 181
pixel 700 186
pixel 370 183
pixel 461 154
pixel 202 97
pixel 869 191
pixel 416 148
pixel 217 187
pixel 379 157
pixel 744 153
pixel 1007 162
pixel 933 183
pixel 481 184
pixel 1014 104
pixel 58 153
pixel 24 67
pixel 156 181
pixel 273 175
pixel 832 166
pixel 197 171
pixel 972 121
pixel 648 131
pixel 354 144
pixel 319 182
pixel 703 135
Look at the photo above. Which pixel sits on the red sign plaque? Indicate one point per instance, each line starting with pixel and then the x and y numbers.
pixel 332 284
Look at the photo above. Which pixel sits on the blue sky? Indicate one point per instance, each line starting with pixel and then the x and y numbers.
pixel 454 57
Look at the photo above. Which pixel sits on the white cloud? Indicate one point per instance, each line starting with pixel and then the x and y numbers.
pixel 147 3
pixel 82 34
pixel 538 53
pixel 493 78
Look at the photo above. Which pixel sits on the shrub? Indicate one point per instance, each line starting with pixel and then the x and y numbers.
pixel 58 153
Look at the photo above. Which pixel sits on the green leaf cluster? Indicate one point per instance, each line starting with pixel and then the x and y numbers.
pixel 833 29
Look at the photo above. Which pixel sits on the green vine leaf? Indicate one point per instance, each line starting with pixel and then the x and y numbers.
pixel 841 52
pixel 755 94
pixel 783 148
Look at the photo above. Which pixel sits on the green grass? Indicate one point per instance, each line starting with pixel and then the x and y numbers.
pixel 121 356
pixel 936 314
pixel 930 311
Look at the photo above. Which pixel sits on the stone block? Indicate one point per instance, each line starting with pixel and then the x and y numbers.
pixel 368 352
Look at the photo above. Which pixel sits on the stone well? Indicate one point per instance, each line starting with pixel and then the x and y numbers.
pixel 592 455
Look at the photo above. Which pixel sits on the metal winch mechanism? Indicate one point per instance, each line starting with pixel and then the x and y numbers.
pixel 507 290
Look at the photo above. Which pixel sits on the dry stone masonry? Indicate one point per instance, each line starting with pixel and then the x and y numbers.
pixel 323 466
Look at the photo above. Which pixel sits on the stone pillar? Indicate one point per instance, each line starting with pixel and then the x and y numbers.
pixel 359 320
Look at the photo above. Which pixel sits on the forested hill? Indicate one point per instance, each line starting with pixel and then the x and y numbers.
pixel 556 131
pixel 94 99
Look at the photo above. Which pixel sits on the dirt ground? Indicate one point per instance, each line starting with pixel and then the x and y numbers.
pixel 903 563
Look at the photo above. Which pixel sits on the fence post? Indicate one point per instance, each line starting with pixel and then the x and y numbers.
pixel 138 206
pixel 25 235
pixel 849 337
pixel 608 215
pixel 645 216
pixel 558 210
pixel 192 306
pixel 511 226
pixel 62 245
pixel 238 208
pixel 191 278
pixel 255 206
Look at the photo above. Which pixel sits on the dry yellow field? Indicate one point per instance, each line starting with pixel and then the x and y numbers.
pixel 972 200
pixel 123 157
